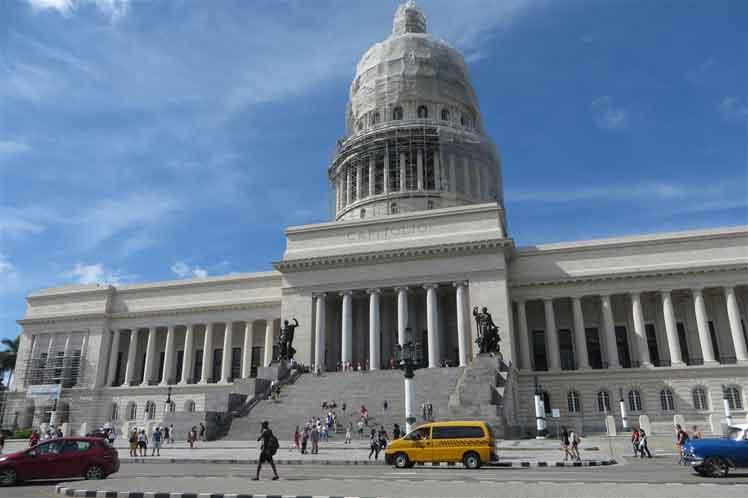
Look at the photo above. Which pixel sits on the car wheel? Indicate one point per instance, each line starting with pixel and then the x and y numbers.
pixel 471 460
pixel 94 473
pixel 8 477
pixel 716 467
pixel 401 460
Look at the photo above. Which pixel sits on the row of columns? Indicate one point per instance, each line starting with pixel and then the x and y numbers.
pixel 375 324
pixel 189 351
pixel 608 328
pixel 345 189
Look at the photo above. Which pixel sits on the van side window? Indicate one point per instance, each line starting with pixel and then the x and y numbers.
pixel 457 432
pixel 419 434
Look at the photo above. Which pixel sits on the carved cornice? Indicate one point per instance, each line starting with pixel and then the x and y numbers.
pixel 607 277
pixel 393 255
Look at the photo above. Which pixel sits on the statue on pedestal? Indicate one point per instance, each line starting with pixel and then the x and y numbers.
pixel 285 340
pixel 488 333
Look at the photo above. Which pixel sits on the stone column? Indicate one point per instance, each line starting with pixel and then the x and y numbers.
pixel 609 329
pixel 553 352
pixel 702 324
pixel 466 171
pixel 113 354
pixel 462 326
pixel 524 336
pixel 639 330
pixel 580 335
pixel 386 185
pixel 452 174
pixel 166 375
pixel 150 350
pixel 348 189
pixel 359 190
pixel 432 324
pixel 319 327
pixel 437 171
pixel 402 313
pixel 374 330
pixel 247 350
pixel 269 336
pixel 402 173
pixel 346 340
pixel 188 353
pixel 671 330
pixel 733 314
pixel 131 357
pixel 207 354
pixel 372 176
pixel 419 166
pixel 227 347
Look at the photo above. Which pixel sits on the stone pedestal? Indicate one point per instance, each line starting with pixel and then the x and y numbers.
pixel 278 370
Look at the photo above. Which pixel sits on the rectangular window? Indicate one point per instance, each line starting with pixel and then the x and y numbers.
pixel 236 363
pixel 197 372
pixel 654 352
pixel 713 339
pixel 566 347
pixel 622 344
pixel 538 349
pixel 594 352
pixel 683 341
pixel 439 432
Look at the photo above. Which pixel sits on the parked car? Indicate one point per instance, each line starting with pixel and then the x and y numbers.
pixel 715 457
pixel 469 442
pixel 89 457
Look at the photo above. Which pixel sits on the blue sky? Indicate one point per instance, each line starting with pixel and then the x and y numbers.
pixel 150 140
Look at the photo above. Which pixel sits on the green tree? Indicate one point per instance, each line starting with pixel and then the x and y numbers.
pixel 9 356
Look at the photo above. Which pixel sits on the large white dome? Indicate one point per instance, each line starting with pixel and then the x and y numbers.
pixel 414 134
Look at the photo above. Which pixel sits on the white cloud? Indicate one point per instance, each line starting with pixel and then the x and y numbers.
pixel 644 192
pixel 96 274
pixel 608 116
pixel 6 267
pixel 734 109
pixel 8 275
pixel 112 9
pixel 12 147
pixel 14 222
pixel 183 270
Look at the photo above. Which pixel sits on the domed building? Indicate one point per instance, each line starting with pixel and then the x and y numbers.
pixel 415 138
pixel 602 333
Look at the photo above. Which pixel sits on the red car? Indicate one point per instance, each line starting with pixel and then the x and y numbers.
pixel 88 457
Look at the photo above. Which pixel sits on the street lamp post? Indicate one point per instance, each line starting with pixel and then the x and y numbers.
pixel 406 358
pixel 622 405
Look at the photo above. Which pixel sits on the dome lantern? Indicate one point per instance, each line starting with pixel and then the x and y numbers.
pixel 408 19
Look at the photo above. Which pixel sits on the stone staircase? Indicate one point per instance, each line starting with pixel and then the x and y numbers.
pixel 302 399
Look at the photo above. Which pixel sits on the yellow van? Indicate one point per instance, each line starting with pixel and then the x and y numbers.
pixel 469 442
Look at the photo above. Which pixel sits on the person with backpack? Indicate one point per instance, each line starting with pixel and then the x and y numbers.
pixel 268 448
pixel 133 443
pixel 681 438
pixel 635 440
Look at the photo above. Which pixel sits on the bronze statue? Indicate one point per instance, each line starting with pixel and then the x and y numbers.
pixel 285 340
pixel 488 333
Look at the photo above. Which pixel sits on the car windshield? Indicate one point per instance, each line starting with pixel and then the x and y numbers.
pixel 734 433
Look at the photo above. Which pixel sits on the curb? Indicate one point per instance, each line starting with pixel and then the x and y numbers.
pixel 62 491
pixel 518 463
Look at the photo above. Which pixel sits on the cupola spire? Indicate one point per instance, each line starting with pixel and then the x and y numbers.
pixel 408 19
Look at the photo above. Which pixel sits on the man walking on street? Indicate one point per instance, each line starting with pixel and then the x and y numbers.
pixel 643 444
pixel 268 448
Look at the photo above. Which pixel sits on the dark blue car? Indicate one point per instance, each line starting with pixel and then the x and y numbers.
pixel 715 457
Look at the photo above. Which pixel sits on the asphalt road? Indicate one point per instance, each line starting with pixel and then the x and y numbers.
pixel 634 478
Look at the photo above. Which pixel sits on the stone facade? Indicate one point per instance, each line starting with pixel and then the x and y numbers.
pixel 658 319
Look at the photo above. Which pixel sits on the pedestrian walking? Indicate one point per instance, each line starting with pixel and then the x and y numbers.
pixel 385 406
pixel 111 436
pixel 172 434
pixel 315 440
pixel 156 440
pixel 268 448
pixel 34 438
pixel 202 431
pixel 304 440
pixel 143 443
pixel 192 437
pixel 681 438
pixel 643 447
pixel 430 410
pixel 382 436
pixel 396 432
pixel 565 443
pixel 133 441
pixel 424 412
pixel 348 431
pixel 574 438
pixel 635 439
pixel 373 445
pixel 360 426
pixel 166 434
pixel 297 438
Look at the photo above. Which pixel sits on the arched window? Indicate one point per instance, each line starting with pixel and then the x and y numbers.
pixel 132 411
pixel 666 400
pixel 423 112
pixel 397 113
pixel 375 118
pixel 363 213
pixel 603 401
pixel 150 410
pixel 572 401
pixel 189 406
pixel 635 401
pixel 700 401
pixel 393 208
pixel 734 400
pixel 171 407
pixel 445 115
pixel 115 412
pixel 546 402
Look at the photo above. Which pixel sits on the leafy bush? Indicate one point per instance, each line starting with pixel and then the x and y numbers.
pixel 21 434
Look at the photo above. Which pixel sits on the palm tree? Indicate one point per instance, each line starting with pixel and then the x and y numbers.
pixel 9 356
